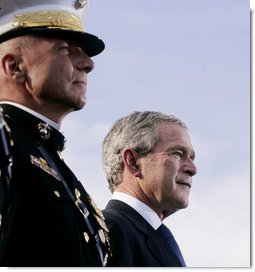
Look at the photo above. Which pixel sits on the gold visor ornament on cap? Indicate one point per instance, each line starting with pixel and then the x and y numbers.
pixel 58 18
pixel 52 19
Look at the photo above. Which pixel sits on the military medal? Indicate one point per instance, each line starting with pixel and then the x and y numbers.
pixel 42 163
pixel 98 214
pixel 102 233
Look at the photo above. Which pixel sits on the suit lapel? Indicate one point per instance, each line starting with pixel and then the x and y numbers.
pixel 155 242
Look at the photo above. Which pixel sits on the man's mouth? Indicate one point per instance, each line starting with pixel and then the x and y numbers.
pixel 80 82
pixel 184 183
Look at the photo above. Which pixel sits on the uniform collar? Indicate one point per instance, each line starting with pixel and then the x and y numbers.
pixel 36 114
pixel 32 125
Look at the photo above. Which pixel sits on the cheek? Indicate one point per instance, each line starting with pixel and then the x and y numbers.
pixel 56 75
pixel 61 69
pixel 163 177
pixel 169 175
pixel 171 168
pixel 35 79
pixel 39 71
pixel 64 66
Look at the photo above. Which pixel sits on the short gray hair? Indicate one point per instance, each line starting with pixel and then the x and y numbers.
pixel 137 131
pixel 18 46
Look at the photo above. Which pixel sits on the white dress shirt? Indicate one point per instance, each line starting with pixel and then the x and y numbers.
pixel 146 212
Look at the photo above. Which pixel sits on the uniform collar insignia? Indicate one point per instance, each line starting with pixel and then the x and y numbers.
pixel 52 136
pixel 44 130
pixel 33 125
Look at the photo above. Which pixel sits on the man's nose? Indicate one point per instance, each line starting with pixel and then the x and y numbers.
pixel 190 168
pixel 84 63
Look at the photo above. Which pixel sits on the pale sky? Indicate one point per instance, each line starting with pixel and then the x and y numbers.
pixel 189 58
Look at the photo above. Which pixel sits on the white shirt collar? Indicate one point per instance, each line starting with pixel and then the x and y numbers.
pixel 146 212
pixel 36 114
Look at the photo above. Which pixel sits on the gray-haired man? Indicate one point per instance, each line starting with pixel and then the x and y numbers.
pixel 149 163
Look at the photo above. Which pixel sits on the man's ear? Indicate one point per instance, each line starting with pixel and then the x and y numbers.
pixel 130 158
pixel 12 68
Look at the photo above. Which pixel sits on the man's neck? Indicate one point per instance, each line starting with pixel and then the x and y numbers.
pixel 145 211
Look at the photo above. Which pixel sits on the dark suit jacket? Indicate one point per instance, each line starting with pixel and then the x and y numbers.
pixel 134 241
pixel 42 227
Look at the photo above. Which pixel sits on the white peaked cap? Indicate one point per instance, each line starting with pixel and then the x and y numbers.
pixel 56 18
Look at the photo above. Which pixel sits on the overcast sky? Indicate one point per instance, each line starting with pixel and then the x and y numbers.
pixel 189 58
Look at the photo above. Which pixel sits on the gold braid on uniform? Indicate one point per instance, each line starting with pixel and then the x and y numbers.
pixel 104 231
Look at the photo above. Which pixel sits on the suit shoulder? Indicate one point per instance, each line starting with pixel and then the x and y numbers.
pixel 119 224
pixel 114 216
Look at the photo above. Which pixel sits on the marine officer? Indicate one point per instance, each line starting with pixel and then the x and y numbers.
pixel 46 216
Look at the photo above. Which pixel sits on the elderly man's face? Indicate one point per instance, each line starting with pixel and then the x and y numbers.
pixel 57 73
pixel 167 171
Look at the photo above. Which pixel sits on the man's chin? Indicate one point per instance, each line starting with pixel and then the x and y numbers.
pixel 79 106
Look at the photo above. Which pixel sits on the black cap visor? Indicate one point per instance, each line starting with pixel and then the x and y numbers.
pixel 90 44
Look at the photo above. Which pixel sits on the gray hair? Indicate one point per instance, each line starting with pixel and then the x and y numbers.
pixel 136 131
pixel 18 46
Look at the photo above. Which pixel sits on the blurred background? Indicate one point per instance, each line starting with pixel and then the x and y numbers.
pixel 190 58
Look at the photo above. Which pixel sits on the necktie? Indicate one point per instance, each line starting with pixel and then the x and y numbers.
pixel 169 238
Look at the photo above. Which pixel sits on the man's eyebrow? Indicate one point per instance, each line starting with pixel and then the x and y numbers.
pixel 184 149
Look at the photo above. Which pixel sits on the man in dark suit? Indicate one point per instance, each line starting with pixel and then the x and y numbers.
pixel 46 216
pixel 149 163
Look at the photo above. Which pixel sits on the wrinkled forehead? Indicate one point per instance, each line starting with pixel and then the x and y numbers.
pixel 173 133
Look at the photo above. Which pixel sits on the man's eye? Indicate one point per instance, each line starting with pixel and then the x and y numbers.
pixel 178 153
pixel 63 48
